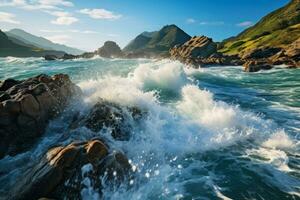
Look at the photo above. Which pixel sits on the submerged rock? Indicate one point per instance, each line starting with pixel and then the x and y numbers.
pixel 26 107
pixel 66 172
pixel 106 114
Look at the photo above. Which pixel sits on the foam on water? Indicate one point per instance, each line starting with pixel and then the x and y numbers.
pixel 195 123
pixel 165 145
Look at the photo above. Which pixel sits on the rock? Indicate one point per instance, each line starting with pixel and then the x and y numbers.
pixel 293 51
pixel 29 106
pixel 255 66
pixel 50 57
pixel 63 172
pixel 26 107
pixel 110 49
pixel 107 114
pixel 196 47
pixel 8 83
pixel 260 53
pixel 69 57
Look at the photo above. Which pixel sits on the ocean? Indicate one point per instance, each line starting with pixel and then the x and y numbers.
pixel 210 133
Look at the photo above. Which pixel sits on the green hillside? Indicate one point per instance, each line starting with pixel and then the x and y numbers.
pixel 278 29
pixel 158 42
pixel 9 48
pixel 22 37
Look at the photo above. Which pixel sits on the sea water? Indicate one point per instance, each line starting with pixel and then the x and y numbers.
pixel 210 133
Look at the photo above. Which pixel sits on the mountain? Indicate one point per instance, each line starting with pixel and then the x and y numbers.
pixel 278 29
pixel 23 38
pixel 10 48
pixel 158 42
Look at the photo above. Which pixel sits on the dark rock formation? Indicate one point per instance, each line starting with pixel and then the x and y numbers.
pixel 110 49
pixel 50 57
pixel 65 172
pixel 107 114
pixel 26 106
pixel 255 66
pixel 64 57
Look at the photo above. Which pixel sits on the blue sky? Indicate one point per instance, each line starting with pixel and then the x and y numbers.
pixel 86 24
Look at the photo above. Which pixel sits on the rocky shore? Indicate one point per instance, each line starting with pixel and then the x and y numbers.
pixel 202 51
pixel 64 171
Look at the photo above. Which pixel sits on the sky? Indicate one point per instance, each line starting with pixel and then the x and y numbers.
pixel 87 24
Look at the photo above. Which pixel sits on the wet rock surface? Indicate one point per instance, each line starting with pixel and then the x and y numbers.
pixel 106 114
pixel 255 66
pixel 67 172
pixel 27 106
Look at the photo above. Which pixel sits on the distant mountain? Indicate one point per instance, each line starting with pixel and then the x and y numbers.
pixel 158 42
pixel 26 39
pixel 278 29
pixel 10 48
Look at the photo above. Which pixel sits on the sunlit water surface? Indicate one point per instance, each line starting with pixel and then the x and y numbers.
pixel 211 133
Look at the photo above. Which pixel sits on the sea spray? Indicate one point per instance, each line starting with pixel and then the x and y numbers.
pixel 194 141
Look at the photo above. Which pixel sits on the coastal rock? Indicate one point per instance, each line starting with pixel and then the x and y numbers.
pixel 202 51
pixel 260 53
pixel 110 49
pixel 196 47
pixel 26 107
pixel 63 172
pixel 110 115
pixel 50 57
pixel 255 66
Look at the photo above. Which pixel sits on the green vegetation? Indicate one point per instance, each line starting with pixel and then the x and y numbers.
pixel 158 42
pixel 10 48
pixel 23 38
pixel 278 29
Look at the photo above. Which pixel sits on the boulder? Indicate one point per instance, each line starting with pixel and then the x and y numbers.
pixel 8 83
pixel 63 173
pixel 110 115
pixel 255 66
pixel 69 57
pixel 26 107
pixel 50 57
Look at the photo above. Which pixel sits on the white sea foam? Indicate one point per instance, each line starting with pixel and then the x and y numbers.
pixel 279 140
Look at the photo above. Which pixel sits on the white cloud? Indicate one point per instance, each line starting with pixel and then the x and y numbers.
pixel 245 24
pixel 61 39
pixel 36 5
pixel 8 18
pixel 64 20
pixel 190 21
pixel 100 14
pixel 216 23
pixel 56 3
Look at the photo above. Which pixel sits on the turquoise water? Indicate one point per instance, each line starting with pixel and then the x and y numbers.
pixel 212 133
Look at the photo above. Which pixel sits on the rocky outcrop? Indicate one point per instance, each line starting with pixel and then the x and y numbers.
pixel 107 114
pixel 196 47
pixel 63 57
pixel 26 107
pixel 202 51
pixel 255 66
pixel 71 171
pixel 110 49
